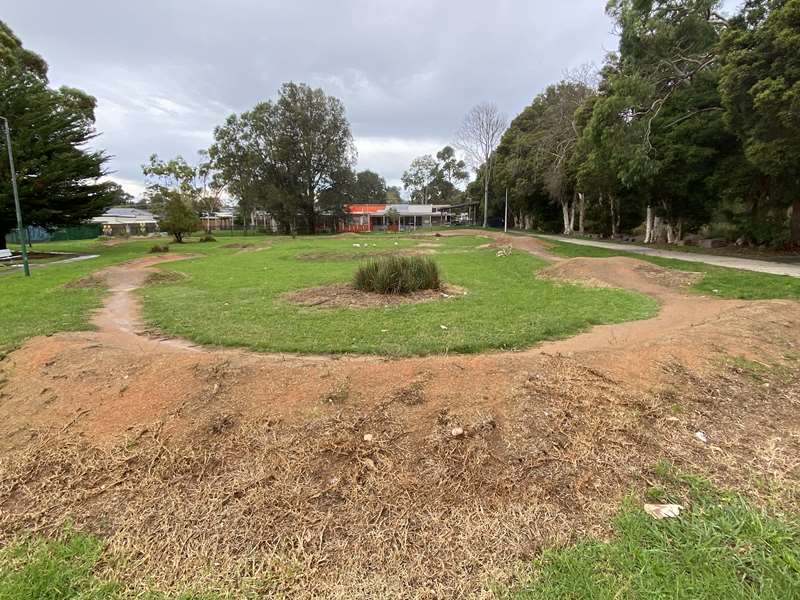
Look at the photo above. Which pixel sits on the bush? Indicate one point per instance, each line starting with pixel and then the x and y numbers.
pixel 208 238
pixel 397 275
pixel 159 249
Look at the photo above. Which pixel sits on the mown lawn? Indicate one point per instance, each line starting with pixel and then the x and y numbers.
pixel 234 300
pixel 41 305
pixel 717 281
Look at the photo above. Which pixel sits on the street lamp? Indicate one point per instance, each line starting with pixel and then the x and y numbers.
pixel 25 265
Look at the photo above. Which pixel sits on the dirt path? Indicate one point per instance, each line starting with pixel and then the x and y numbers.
pixel 324 476
pixel 732 262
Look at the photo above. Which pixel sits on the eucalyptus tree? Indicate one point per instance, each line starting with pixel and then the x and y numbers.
pixel 760 88
pixel 477 138
pixel 282 155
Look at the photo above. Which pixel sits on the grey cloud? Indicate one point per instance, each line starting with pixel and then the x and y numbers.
pixel 165 73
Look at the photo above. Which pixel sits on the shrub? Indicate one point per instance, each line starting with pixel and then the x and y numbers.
pixel 159 249
pixel 397 275
pixel 208 238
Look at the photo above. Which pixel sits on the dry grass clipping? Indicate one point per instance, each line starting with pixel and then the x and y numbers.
pixel 313 510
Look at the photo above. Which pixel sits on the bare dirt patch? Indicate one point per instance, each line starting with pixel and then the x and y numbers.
pixel 345 295
pixel 621 272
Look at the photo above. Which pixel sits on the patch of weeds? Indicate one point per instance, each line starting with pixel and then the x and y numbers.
pixel 744 366
pixel 207 238
pixel 159 249
pixel 720 547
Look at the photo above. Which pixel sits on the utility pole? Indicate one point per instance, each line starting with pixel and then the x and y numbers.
pixel 505 218
pixel 25 266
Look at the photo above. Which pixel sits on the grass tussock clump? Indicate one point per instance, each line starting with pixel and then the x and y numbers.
pixel 207 238
pixel 159 249
pixel 397 275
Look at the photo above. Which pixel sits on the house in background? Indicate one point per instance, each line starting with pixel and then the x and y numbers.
pixel 217 220
pixel 127 221
pixel 378 217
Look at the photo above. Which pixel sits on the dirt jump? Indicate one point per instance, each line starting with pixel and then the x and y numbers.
pixel 365 476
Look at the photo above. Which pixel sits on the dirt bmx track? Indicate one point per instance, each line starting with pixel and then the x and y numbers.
pixel 220 468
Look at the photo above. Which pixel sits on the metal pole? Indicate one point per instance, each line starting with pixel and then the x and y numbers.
pixel 20 230
pixel 505 218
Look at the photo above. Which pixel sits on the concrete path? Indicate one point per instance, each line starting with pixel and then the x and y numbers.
pixel 733 262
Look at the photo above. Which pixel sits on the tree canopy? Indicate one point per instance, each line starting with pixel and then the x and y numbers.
pixel 57 176
pixel 283 156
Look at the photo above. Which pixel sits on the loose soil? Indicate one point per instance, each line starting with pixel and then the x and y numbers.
pixel 345 295
pixel 339 476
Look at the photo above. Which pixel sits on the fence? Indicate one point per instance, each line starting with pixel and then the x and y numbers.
pixel 40 234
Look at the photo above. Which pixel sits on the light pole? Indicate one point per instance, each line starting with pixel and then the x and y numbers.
pixel 25 265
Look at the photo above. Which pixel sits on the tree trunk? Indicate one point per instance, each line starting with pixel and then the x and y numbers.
pixel 3 245
pixel 567 222
pixel 795 223
pixel 648 236
pixel 486 200
pixel 613 216
pixel 581 212
pixel 670 233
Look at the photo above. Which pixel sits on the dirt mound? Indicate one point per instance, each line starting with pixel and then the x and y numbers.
pixel 345 295
pixel 620 272
pixel 332 255
pixel 374 496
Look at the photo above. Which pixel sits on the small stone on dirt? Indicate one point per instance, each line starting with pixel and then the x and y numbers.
pixel 701 437
pixel 457 432
pixel 368 437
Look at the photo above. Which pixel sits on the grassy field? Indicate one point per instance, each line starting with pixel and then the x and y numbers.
pixel 721 548
pixel 42 305
pixel 234 300
pixel 719 281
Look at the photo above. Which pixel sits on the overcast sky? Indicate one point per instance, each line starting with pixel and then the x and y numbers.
pixel 166 72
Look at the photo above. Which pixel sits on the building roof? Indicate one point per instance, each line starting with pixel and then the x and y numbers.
pixel 404 208
pixel 121 215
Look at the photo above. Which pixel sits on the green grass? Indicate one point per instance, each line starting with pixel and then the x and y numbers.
pixel 717 281
pixel 65 569
pixel 40 305
pixel 721 548
pixel 234 300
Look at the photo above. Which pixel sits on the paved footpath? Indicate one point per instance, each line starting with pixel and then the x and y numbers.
pixel 733 262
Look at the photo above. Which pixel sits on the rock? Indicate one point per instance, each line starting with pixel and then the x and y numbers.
pixel 700 436
pixel 368 437
pixel 457 432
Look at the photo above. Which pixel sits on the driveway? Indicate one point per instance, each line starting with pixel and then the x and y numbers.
pixel 732 262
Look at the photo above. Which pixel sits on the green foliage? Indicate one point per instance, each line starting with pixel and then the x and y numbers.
pixel 177 217
pixel 57 175
pixel 283 156
pixel 397 275
pixel 370 188
pixel 207 238
pixel 722 548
